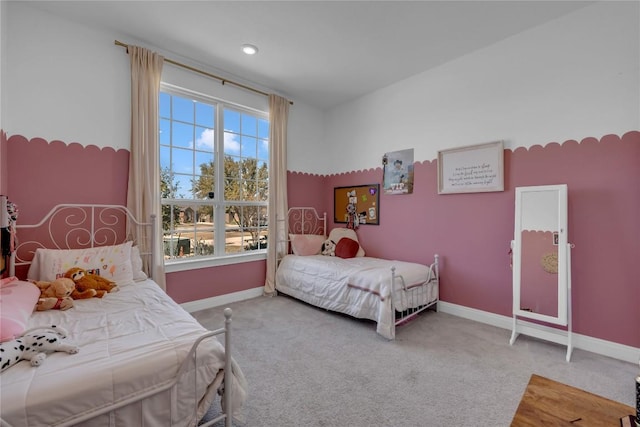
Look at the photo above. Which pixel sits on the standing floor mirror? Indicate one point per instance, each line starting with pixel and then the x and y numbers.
pixel 542 265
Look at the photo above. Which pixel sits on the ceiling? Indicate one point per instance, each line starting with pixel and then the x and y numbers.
pixel 321 53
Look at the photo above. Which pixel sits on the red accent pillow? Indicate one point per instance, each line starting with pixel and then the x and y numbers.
pixel 347 248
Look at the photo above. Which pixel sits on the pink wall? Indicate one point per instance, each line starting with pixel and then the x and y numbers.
pixel 204 283
pixel 44 174
pixel 472 232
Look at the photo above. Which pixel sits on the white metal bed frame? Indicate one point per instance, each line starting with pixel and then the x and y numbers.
pixel 305 220
pixel 89 225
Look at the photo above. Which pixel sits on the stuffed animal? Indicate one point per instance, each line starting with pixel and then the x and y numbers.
pixel 56 295
pixel 87 281
pixel 45 304
pixel 329 248
pixel 34 345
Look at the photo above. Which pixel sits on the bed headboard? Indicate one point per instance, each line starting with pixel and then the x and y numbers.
pixel 300 220
pixel 79 226
pixel 305 220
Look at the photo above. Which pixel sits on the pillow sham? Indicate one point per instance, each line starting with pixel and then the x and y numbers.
pixel 17 301
pixel 338 233
pixel 347 248
pixel 306 244
pixel 110 262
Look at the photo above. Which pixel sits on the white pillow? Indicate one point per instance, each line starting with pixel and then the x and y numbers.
pixel 338 233
pixel 111 262
pixel 136 265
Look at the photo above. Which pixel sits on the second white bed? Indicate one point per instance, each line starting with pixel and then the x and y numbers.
pixel 360 286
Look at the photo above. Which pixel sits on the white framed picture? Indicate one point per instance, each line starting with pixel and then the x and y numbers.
pixel 471 169
pixel 398 172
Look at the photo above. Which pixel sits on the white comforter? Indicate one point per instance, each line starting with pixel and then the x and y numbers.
pixel 131 341
pixel 358 286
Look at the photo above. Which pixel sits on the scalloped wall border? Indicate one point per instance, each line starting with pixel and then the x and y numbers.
pixel 606 139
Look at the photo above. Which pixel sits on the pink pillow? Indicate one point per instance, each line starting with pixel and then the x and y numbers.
pixel 17 301
pixel 347 248
pixel 306 244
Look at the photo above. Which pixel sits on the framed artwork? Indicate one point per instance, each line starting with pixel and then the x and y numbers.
pixel 471 169
pixel 366 199
pixel 397 169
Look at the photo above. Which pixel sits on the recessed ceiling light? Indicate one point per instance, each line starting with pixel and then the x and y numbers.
pixel 249 49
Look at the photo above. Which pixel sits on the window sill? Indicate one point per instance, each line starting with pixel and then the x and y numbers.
pixel 185 265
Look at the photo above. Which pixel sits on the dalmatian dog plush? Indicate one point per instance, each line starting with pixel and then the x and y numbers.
pixel 34 345
pixel 328 248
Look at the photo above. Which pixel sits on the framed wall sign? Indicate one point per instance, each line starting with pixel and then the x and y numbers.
pixel 471 169
pixel 366 199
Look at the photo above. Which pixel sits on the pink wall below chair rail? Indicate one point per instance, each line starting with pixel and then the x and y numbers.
pixel 472 232
pixel 43 174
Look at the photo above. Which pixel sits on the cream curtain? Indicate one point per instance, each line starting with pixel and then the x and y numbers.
pixel 143 197
pixel 278 207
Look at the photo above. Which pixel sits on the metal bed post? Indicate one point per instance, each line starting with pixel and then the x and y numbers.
pixel 228 377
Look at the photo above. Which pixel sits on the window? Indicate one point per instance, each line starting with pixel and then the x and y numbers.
pixel 214 160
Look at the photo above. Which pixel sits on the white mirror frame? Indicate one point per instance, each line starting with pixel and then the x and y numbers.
pixel 562 217
pixel 563 317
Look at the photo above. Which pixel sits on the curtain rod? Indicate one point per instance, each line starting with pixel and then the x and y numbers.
pixel 213 76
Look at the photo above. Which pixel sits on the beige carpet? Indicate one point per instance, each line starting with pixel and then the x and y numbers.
pixel 309 367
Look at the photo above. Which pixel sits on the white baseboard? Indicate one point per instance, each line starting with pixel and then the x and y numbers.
pixel 203 304
pixel 583 342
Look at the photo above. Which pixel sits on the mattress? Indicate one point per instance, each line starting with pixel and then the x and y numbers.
pixel 360 286
pixel 131 342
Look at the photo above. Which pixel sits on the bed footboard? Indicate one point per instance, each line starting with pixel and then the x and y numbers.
pixel 407 301
pixel 227 395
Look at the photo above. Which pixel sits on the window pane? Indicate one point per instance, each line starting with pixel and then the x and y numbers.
pixel 182 160
pixel 231 121
pixel 182 135
pixel 231 143
pixel 183 186
pixel 204 162
pixel 165 105
pixel 249 147
pixel 263 191
pixel 263 149
pixel 205 115
pixel 204 139
pixel 165 132
pixel 263 129
pixel 243 229
pixel 165 157
pixel 183 109
pixel 203 186
pixel 249 125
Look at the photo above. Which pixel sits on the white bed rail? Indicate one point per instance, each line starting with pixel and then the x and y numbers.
pixel 407 296
pixel 227 414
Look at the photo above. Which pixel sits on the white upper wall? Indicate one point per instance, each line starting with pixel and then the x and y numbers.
pixel 70 82
pixel 575 77
pixel 571 78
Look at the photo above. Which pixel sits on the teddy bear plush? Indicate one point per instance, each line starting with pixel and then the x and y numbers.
pixel 87 281
pixel 56 295
pixel 34 345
